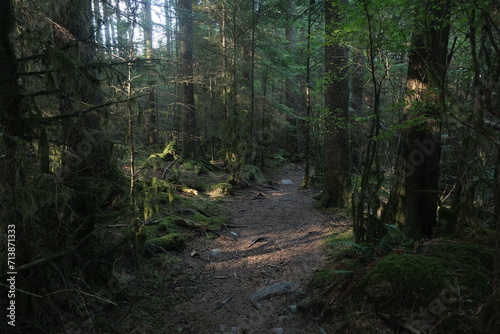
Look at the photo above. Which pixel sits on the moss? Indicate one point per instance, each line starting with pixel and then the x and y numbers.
pixel 478 282
pixel 325 278
pixel 170 242
pixel 251 174
pixel 462 254
pixel 166 260
pixel 214 223
pixel 168 224
pixel 223 188
pixel 409 277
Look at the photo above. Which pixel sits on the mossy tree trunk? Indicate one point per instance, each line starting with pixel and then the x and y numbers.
pixel 414 197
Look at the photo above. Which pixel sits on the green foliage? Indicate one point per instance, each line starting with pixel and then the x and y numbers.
pixel 152 193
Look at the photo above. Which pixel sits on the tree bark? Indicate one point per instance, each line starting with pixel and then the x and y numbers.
pixel 414 197
pixel 336 139
pixel 189 142
pixel 152 111
pixel 12 122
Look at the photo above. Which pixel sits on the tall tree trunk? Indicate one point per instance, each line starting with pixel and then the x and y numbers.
pixel 356 104
pixel 336 139
pixel 87 161
pixel 189 142
pixel 414 197
pixel 152 112
pixel 12 122
pixel 305 181
pixel 168 28
pixel 98 22
pixel 292 136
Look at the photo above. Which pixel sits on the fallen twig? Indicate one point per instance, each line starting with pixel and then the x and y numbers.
pixel 258 239
pixel 225 301
pixel 166 169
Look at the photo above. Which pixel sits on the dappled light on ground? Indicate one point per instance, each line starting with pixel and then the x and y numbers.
pixel 277 235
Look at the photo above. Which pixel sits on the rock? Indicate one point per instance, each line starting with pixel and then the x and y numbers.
pixel 215 252
pixel 287 181
pixel 222 328
pixel 321 331
pixel 277 289
pixel 282 318
pixel 277 331
pixel 293 308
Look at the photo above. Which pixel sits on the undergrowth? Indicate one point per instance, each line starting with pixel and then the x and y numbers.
pixel 169 213
pixel 439 285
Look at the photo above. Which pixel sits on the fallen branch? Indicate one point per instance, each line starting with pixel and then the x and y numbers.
pixel 40 261
pixel 166 169
pixel 258 239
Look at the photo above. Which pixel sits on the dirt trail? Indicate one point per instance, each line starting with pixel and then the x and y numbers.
pixel 288 233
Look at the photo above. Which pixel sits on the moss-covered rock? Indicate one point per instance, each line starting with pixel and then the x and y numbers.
pixel 219 189
pixel 407 279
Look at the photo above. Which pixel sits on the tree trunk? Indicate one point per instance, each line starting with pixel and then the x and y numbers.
pixel 414 197
pixel 12 122
pixel 292 136
pixel 305 181
pixel 152 111
pixel 336 139
pixel 189 142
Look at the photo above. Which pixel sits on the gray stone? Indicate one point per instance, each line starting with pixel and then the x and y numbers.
pixel 215 252
pixel 281 318
pixel 277 289
pixel 277 331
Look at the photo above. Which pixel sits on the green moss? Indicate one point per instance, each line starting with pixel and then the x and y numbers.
pixel 251 174
pixel 223 188
pixel 324 278
pixel 463 254
pixel 170 242
pixel 167 224
pixel 478 282
pixel 409 277
pixel 214 223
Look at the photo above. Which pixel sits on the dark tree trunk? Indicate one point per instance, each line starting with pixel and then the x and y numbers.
pixel 12 122
pixel 189 141
pixel 356 104
pixel 336 140
pixel 414 197
pixel 291 100
pixel 152 113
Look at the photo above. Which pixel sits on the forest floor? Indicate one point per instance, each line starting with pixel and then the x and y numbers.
pixel 277 235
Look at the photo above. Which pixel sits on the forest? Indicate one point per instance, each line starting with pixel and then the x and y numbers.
pixel 114 113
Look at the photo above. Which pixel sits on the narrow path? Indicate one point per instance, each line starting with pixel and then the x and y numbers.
pixel 279 238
